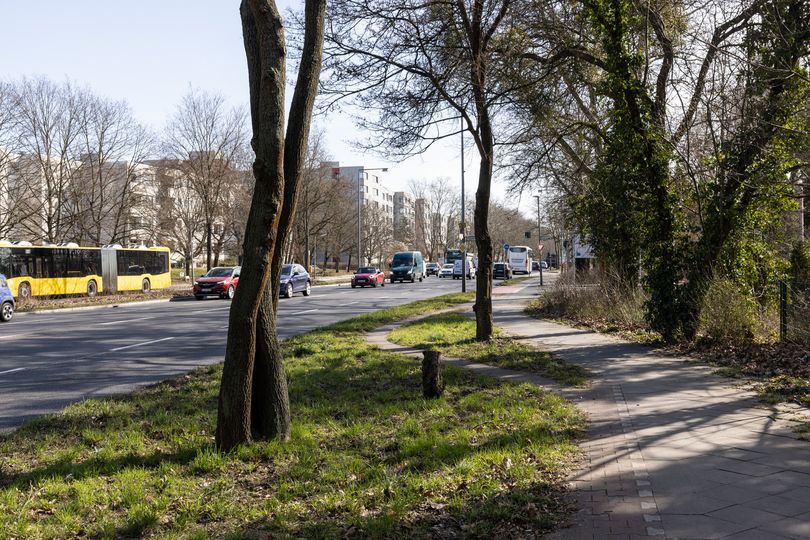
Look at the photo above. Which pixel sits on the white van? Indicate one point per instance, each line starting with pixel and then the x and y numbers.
pixel 457 269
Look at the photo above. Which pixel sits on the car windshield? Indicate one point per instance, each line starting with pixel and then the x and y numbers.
pixel 403 259
pixel 366 270
pixel 449 266
pixel 286 270
pixel 219 272
pixel 498 265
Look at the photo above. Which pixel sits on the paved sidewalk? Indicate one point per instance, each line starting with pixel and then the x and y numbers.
pixel 672 451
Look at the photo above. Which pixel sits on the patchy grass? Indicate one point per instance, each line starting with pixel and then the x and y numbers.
pixel 453 335
pixel 42 303
pixel 516 280
pixel 369 457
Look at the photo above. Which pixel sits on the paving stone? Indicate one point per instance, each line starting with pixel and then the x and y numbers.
pixel 667 439
pixel 706 527
pixel 779 505
pixel 746 515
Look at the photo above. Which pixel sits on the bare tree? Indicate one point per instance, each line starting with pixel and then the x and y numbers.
pixel 48 121
pixel 440 209
pixel 106 186
pixel 377 235
pixel 205 141
pixel 253 395
pixel 430 70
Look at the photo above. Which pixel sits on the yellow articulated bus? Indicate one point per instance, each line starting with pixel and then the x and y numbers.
pixel 70 269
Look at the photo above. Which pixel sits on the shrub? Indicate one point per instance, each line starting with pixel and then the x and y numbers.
pixel 728 315
pixel 588 299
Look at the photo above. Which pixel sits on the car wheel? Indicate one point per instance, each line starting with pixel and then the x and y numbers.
pixel 24 291
pixel 374 285
pixel 92 288
pixel 354 286
pixel 289 292
pixel 145 285
pixel 308 289
pixel 420 279
pixel 413 279
pixel 198 297
pixel 231 291
pixel 6 312
pixel 382 283
pixel 392 281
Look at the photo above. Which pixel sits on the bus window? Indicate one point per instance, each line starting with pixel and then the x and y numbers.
pixel 5 262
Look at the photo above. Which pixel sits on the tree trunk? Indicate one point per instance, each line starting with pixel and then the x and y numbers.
pixel 265 50
pixel 483 279
pixel 271 409
pixel 432 383
pixel 208 232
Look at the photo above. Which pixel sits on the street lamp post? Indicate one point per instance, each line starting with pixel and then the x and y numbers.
pixel 463 229
pixel 540 264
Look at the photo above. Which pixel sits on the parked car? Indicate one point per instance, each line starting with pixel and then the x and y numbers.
pixel 544 265
pixel 219 281
pixel 535 266
pixel 501 270
pixel 407 266
pixel 458 266
pixel 432 269
pixel 368 275
pixel 446 271
pixel 295 278
pixel 7 302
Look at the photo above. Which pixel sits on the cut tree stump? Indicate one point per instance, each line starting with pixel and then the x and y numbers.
pixel 432 383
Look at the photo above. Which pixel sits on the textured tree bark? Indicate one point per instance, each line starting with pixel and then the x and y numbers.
pixel 265 50
pixel 271 410
pixel 432 382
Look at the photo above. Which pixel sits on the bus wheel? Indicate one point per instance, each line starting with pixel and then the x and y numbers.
pixel 92 287
pixel 145 285
pixel 24 291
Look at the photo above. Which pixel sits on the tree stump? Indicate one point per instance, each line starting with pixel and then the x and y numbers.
pixel 432 383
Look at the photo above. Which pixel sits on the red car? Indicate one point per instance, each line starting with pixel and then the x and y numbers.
pixel 368 275
pixel 219 281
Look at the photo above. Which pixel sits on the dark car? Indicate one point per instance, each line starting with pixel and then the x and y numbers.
pixel 432 269
pixel 368 275
pixel 219 281
pixel 535 266
pixel 501 270
pixel 294 278
pixel 7 303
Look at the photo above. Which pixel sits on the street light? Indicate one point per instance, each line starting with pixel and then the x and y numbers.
pixel 540 251
pixel 360 178
pixel 463 229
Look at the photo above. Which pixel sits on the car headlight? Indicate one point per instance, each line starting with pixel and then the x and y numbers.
pixel 410 271
pixel 197 283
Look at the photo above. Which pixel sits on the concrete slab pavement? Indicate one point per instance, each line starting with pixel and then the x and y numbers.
pixel 672 450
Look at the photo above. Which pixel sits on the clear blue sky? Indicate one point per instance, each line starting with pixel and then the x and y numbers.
pixel 150 53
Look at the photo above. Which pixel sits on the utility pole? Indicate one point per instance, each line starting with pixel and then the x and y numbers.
pixel 540 252
pixel 463 232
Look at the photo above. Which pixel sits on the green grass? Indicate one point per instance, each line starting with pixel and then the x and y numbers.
pixel 453 334
pixel 369 457
pixel 516 280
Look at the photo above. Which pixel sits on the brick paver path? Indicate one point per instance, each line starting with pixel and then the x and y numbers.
pixel 672 451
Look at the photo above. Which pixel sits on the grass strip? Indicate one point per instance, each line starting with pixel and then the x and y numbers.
pixel 369 457
pixel 453 334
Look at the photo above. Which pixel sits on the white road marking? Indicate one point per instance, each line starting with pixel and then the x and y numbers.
pixel 141 344
pixel 305 311
pixel 11 370
pixel 349 303
pixel 209 310
pixel 125 321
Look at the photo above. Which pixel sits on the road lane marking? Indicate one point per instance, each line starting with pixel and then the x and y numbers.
pixel 305 311
pixel 209 310
pixel 124 321
pixel 349 303
pixel 141 344
pixel 11 370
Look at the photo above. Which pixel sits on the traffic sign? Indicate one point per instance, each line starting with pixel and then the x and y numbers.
pixel 506 247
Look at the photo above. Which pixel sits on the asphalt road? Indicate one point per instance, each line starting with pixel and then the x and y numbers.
pixel 49 360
